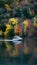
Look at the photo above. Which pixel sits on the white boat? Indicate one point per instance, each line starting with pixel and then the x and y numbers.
pixel 15 40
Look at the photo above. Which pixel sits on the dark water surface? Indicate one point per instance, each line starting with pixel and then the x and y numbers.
pixel 22 58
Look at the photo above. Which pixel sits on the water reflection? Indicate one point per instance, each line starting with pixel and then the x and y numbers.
pixel 23 53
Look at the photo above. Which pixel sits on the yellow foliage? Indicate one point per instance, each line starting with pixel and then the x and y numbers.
pixel 13 20
pixel 15 29
pixel 7 29
pixel 30 12
pixel 17 3
pixel 5 33
pixel 7 7
pixel 25 23
pixel 1 32
pixel 35 22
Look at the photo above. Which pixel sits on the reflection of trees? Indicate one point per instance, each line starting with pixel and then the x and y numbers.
pixel 3 46
pixel 0 44
pixel 13 49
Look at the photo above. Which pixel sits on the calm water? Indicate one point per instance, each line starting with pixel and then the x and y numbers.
pixel 22 58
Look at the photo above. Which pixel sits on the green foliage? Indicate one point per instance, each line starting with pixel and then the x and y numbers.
pixel 11 33
pixel 2 27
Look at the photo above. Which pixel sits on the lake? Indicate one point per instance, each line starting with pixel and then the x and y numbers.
pixel 20 54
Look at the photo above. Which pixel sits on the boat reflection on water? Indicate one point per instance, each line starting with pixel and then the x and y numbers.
pixel 12 46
